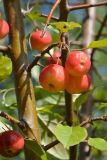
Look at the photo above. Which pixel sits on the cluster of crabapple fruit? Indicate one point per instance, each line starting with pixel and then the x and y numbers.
pixel 4 28
pixel 11 143
pixel 54 77
pixel 77 66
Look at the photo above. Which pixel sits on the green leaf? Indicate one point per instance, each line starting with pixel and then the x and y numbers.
pixel 98 44
pixel 33 15
pixel 9 97
pixel 52 111
pixel 65 26
pixel 40 92
pixel 57 153
pixel 36 148
pixel 102 105
pixel 70 136
pixel 5 67
pixel 98 143
pixel 54 33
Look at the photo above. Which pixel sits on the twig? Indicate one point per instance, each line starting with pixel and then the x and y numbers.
pixel 50 145
pixel 75 3
pixel 53 17
pixel 5 50
pixel 39 64
pixel 50 15
pixel 104 33
pixel 99 101
pixel 12 120
pixel 21 124
pixel 78 43
pixel 85 6
pixel 37 58
pixel 90 120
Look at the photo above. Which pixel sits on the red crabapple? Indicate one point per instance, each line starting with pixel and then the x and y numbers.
pixel 40 43
pixel 77 84
pixel 11 143
pixel 52 78
pixel 77 63
pixel 4 28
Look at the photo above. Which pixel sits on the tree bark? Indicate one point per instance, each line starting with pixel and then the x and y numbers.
pixel 23 83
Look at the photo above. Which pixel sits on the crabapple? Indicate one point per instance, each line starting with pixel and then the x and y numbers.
pixel 40 43
pixel 11 143
pixel 77 63
pixel 52 78
pixel 55 59
pixel 4 28
pixel 75 84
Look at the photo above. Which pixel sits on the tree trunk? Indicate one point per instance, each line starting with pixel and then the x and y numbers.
pixel 23 84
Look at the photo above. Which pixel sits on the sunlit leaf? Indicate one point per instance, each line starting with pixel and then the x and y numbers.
pixel 98 44
pixel 65 26
pixel 98 143
pixel 102 105
pixel 33 15
pixel 70 136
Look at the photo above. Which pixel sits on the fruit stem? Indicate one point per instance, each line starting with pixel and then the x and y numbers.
pixel 49 16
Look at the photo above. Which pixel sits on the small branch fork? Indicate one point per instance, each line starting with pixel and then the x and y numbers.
pixel 91 120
